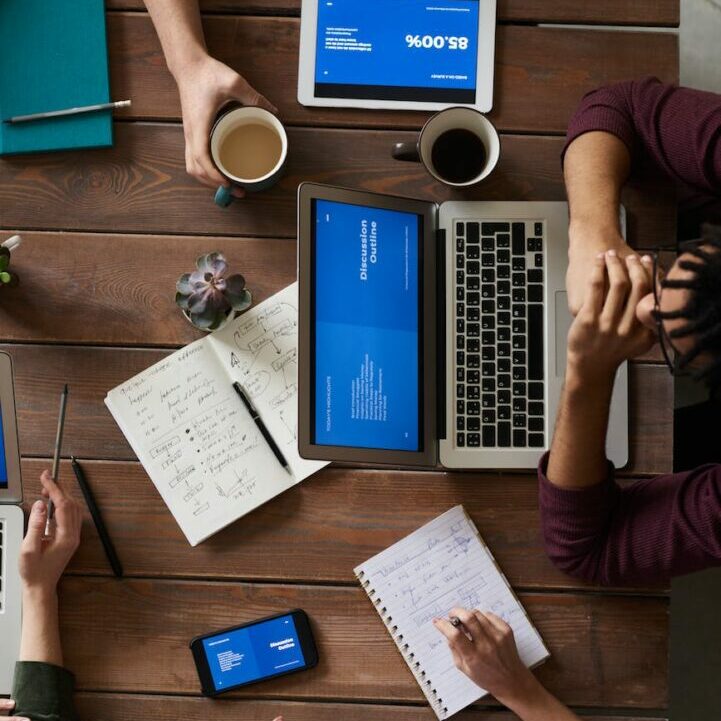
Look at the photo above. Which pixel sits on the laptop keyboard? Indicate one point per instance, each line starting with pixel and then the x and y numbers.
pixel 499 334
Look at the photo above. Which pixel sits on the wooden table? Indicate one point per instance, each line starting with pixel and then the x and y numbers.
pixel 106 235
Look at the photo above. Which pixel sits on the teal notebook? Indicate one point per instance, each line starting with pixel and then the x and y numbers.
pixel 53 55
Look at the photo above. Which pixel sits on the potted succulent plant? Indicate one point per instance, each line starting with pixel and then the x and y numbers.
pixel 6 277
pixel 210 297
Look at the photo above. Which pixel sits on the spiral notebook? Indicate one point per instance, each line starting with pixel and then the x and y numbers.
pixel 441 565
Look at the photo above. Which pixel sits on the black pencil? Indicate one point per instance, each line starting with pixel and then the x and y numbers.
pixel 97 519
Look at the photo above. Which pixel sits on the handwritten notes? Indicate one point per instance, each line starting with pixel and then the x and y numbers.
pixel 194 436
pixel 441 565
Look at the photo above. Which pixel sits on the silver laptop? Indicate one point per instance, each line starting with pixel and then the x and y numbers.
pixel 434 333
pixel 11 528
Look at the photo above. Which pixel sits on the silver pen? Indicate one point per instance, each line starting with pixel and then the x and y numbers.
pixel 68 111
pixel 56 458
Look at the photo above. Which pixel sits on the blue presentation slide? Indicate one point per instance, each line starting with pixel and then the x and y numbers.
pixel 3 462
pixel 366 327
pixel 403 44
pixel 252 653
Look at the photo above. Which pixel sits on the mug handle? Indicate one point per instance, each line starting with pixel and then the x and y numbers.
pixel 407 152
pixel 223 196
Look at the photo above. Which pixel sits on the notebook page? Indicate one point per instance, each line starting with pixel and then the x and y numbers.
pixel 439 566
pixel 197 441
pixel 260 351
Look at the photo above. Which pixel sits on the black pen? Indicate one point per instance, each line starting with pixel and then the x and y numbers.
pixel 97 519
pixel 261 427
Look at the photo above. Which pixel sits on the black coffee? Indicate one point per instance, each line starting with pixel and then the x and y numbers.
pixel 458 155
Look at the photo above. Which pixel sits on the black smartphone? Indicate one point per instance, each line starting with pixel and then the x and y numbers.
pixel 266 648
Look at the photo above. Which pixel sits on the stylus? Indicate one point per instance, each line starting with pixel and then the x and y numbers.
pixel 56 457
pixel 97 519
pixel 261 427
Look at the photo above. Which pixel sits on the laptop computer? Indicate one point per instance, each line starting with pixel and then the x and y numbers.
pixel 11 528
pixel 433 333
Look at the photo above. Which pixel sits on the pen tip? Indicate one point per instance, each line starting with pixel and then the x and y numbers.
pixel 65 389
pixel 72 459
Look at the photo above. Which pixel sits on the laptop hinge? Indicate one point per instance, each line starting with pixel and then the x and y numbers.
pixel 441 341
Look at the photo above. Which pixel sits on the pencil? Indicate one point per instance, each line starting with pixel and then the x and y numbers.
pixel 68 111
pixel 97 519
pixel 56 456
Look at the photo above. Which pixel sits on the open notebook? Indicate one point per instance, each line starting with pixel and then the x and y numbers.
pixel 192 433
pixel 441 565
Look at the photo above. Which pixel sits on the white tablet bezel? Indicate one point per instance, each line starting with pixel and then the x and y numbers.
pixel 14 492
pixel 484 67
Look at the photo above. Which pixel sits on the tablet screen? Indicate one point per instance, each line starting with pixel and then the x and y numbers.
pixel 367 334
pixel 3 462
pixel 412 50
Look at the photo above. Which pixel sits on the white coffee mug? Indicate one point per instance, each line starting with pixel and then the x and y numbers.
pixel 453 119
pixel 229 121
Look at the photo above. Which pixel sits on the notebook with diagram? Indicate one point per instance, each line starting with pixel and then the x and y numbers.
pixel 441 565
pixel 194 436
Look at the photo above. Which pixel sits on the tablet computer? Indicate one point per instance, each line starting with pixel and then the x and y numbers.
pixel 404 54
pixel 367 327
pixel 10 482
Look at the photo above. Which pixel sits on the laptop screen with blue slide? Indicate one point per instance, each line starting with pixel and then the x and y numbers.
pixel 367 331
pixel 3 461
pixel 408 50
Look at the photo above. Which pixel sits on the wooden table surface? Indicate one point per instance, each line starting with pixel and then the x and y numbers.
pixel 107 233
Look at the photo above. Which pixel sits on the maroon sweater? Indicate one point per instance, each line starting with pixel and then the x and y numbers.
pixel 652 529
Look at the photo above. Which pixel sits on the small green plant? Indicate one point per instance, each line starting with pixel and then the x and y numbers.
pixel 209 295
pixel 6 277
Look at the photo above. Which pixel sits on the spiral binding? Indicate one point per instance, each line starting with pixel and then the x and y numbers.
pixel 420 675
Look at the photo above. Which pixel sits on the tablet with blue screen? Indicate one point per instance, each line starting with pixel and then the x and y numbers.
pixel 412 54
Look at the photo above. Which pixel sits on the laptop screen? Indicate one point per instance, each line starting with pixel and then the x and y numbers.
pixel 367 334
pixel 3 462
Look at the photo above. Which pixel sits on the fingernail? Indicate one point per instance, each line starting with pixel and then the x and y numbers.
pixel 612 253
pixel 39 507
pixel 600 256
pixel 6 704
pixel 632 258
pixel 646 259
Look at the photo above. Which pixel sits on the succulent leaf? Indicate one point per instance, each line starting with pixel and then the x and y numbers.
pixel 5 277
pixel 240 301
pixel 184 285
pixel 182 300
pixel 4 252
pixel 205 319
pixel 213 263
pixel 4 262
pixel 200 300
pixel 234 284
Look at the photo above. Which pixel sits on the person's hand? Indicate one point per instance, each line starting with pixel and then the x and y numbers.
pixel 485 650
pixel 585 244
pixel 7 705
pixel 205 85
pixel 606 331
pixel 42 561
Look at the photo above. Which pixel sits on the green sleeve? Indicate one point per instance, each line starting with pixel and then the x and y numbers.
pixel 43 692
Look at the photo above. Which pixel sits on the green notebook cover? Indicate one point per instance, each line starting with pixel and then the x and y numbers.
pixel 54 56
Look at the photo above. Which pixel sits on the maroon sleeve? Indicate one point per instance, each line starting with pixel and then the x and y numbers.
pixel 678 129
pixel 646 532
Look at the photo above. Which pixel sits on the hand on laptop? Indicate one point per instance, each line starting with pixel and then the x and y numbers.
pixel 585 245
pixel 606 331
pixel 205 85
pixel 42 562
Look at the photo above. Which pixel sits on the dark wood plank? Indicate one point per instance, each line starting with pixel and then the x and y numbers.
pixel 121 707
pixel 613 12
pixel 141 186
pixel 538 81
pixel 91 372
pixel 133 634
pixel 289 539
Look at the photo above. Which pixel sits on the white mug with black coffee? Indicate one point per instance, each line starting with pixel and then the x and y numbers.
pixel 249 146
pixel 458 147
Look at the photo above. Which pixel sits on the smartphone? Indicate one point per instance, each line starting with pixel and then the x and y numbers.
pixel 266 648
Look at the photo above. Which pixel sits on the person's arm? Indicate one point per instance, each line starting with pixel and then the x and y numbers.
pixel 42 689
pixel 593 529
pixel 485 650
pixel 204 84
pixel 618 128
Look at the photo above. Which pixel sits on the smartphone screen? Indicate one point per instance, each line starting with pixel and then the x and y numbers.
pixel 254 652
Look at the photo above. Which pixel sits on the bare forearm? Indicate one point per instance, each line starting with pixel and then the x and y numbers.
pixel 596 166
pixel 533 702
pixel 578 451
pixel 40 640
pixel 180 31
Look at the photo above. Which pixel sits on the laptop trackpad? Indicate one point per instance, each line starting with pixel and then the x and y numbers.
pixel 617 437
